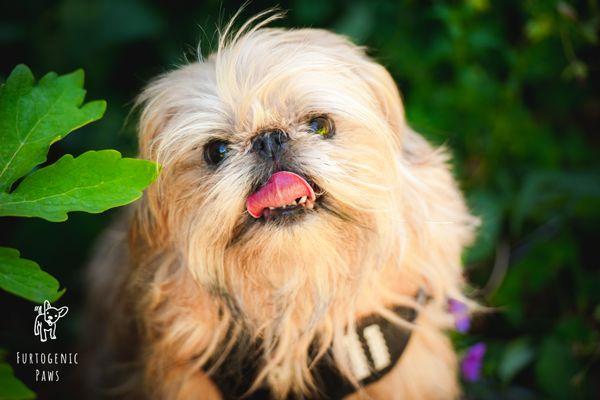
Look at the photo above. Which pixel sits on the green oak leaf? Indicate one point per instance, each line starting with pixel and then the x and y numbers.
pixel 93 182
pixel 25 278
pixel 32 117
pixel 10 387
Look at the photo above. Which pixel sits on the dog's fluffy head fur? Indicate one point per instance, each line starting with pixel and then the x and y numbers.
pixel 388 219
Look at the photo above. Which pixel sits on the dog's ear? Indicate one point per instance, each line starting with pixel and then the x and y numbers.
pixel 434 206
pixel 46 305
pixel 413 147
pixel 154 116
pixel 155 104
pixel 386 93
pixel 63 311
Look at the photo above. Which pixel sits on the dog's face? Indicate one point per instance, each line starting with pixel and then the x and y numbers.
pixel 282 156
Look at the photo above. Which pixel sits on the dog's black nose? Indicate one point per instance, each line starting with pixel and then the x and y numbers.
pixel 270 144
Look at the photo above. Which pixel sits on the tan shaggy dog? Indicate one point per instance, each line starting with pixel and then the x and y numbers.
pixel 293 201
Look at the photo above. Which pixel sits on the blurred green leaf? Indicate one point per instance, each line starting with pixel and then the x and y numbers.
pixel 92 182
pixel 489 209
pixel 517 355
pixel 539 28
pixel 24 278
pixel 312 11
pixel 555 368
pixel 566 10
pixel 479 5
pixel 10 387
pixel 576 70
pixel 597 313
pixel 539 267
pixel 357 22
pixel 559 190
pixel 589 31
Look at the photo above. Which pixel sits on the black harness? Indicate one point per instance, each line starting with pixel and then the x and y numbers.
pixel 374 351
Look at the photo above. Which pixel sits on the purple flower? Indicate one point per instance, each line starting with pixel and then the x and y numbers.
pixel 460 311
pixel 472 362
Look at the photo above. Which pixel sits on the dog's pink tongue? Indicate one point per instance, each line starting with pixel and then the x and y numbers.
pixel 281 189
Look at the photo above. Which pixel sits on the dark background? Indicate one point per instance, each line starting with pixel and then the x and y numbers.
pixel 512 87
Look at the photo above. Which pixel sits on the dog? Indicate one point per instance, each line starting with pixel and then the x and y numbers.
pixel 301 237
pixel 45 321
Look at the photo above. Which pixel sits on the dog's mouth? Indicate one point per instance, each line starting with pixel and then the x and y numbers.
pixel 285 194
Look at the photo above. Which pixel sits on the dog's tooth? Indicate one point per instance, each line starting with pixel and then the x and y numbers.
pixel 271 208
pixel 302 199
pixel 293 203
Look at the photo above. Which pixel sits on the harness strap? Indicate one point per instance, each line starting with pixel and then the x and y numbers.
pixel 373 349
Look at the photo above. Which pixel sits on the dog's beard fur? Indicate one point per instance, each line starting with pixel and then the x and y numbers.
pixel 391 219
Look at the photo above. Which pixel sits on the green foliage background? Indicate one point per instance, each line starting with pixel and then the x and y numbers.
pixel 511 87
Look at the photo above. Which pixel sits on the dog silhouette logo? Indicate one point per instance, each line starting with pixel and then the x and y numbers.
pixel 46 319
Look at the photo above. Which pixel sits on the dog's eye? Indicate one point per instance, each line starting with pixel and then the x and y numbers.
pixel 216 151
pixel 322 126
